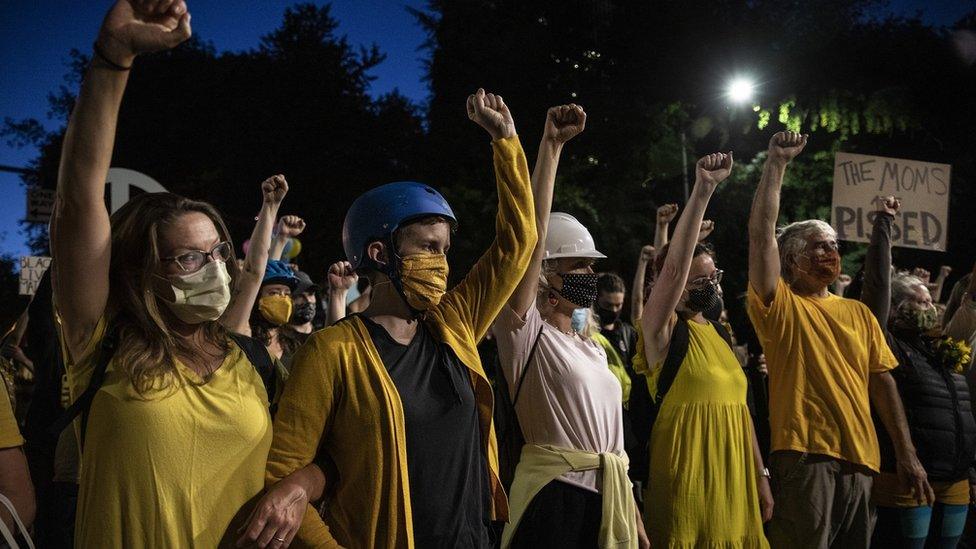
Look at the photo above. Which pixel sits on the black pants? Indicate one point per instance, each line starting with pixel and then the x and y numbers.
pixel 561 515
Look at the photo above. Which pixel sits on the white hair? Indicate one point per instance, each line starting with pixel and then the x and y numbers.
pixel 903 287
pixel 792 240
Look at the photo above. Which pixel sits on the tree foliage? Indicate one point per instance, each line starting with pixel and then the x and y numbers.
pixel 651 76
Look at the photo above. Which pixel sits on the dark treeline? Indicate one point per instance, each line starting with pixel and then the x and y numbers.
pixel 212 125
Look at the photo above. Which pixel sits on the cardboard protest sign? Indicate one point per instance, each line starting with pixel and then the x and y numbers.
pixel 923 187
pixel 31 270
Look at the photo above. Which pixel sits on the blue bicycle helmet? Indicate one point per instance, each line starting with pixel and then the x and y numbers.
pixel 278 272
pixel 379 212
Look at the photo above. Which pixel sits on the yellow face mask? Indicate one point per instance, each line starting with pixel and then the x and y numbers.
pixel 423 278
pixel 276 309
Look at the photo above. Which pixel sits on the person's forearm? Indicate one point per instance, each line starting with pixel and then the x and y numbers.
pixel 90 138
pixel 15 483
pixel 637 291
pixel 754 442
pixel 765 204
pixel 876 292
pixel 337 306
pixel 277 248
pixel 764 266
pixel 887 403
pixel 661 234
pixel 670 281
pixel 309 479
pixel 936 288
pixel 543 180
pixel 259 251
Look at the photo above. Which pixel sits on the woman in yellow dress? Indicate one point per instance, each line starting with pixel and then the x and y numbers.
pixel 708 486
pixel 177 429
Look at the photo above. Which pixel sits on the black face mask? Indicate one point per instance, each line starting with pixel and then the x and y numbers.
pixel 579 288
pixel 704 299
pixel 607 316
pixel 715 311
pixel 303 314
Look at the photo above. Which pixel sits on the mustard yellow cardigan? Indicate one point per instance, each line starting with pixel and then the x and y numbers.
pixel 341 399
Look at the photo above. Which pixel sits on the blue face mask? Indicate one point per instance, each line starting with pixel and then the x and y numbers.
pixel 579 319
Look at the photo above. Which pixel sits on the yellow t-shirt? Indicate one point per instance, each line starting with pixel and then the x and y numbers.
pixel 9 432
pixel 820 352
pixel 174 467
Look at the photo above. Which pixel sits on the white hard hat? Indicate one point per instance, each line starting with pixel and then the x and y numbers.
pixel 567 237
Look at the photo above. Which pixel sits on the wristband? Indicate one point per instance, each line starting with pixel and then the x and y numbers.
pixel 104 59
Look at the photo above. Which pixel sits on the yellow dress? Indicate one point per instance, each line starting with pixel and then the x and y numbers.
pixel 172 468
pixel 702 490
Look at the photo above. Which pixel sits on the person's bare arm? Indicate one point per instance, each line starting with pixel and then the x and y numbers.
pixel 766 501
pixel 670 282
pixel 15 483
pixel 562 124
pixel 289 227
pixel 886 402
pixel 81 241
pixel 237 316
pixel 665 215
pixel 936 287
pixel 341 279
pixel 764 267
pixel 707 227
pixel 637 289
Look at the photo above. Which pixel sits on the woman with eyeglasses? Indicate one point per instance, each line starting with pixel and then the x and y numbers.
pixel 707 486
pixel 176 433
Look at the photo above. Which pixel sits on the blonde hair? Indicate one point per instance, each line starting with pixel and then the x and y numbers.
pixel 146 349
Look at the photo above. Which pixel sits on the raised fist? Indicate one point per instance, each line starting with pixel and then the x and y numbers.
pixel 564 123
pixel 647 254
pixel 274 189
pixel 889 204
pixel 706 229
pixel 666 213
pixel 490 112
pixel 921 274
pixel 290 226
pixel 713 169
pixel 785 146
pixel 342 276
pixel 945 271
pixel 133 27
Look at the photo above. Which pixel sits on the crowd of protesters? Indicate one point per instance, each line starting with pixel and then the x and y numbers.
pixel 183 397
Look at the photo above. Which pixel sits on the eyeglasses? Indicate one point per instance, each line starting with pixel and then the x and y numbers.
pixel 714 280
pixel 824 247
pixel 194 260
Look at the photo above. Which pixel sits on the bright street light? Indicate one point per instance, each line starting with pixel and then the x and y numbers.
pixel 740 90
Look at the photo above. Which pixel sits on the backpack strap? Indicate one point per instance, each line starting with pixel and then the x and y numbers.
pixel 259 357
pixel 720 328
pixel 525 369
pixel 677 350
pixel 82 405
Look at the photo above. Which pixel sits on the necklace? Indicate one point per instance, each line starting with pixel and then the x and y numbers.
pixel 570 333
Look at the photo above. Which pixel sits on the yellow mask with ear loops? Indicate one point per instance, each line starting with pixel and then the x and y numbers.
pixel 276 309
pixel 423 278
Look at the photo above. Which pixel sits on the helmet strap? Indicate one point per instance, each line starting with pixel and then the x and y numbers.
pixel 392 270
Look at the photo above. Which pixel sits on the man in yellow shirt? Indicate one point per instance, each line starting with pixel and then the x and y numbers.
pixel 828 363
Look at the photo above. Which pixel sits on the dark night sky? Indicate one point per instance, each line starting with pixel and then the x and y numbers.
pixel 36 36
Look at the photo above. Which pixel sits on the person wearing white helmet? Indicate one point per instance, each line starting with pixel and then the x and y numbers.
pixel 570 487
